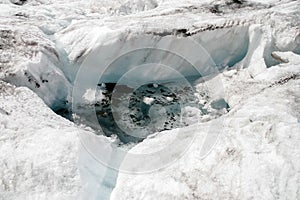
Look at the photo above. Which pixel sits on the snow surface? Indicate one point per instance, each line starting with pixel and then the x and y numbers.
pixel 256 156
pixel 38 149
pixel 254 45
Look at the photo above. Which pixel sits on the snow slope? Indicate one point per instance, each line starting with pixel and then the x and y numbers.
pixel 254 47
pixel 38 149
pixel 256 155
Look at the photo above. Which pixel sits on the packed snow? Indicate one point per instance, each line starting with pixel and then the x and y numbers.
pixel 231 66
pixel 38 149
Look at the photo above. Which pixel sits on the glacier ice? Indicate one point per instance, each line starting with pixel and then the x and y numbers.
pixel 254 45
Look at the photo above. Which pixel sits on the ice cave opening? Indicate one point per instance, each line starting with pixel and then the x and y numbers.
pixel 163 100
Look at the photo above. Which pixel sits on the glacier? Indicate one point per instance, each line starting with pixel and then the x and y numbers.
pixel 243 54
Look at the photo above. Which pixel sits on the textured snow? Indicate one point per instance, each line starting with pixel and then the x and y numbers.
pixel 38 149
pixel 256 155
pixel 255 45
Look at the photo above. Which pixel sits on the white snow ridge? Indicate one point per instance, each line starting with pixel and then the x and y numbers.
pixel 149 99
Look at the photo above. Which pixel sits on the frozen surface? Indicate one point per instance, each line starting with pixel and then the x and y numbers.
pixel 38 149
pixel 255 45
pixel 256 155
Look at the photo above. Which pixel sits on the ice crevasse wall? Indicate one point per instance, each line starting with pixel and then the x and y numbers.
pixel 47 62
pixel 236 46
pixel 230 42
